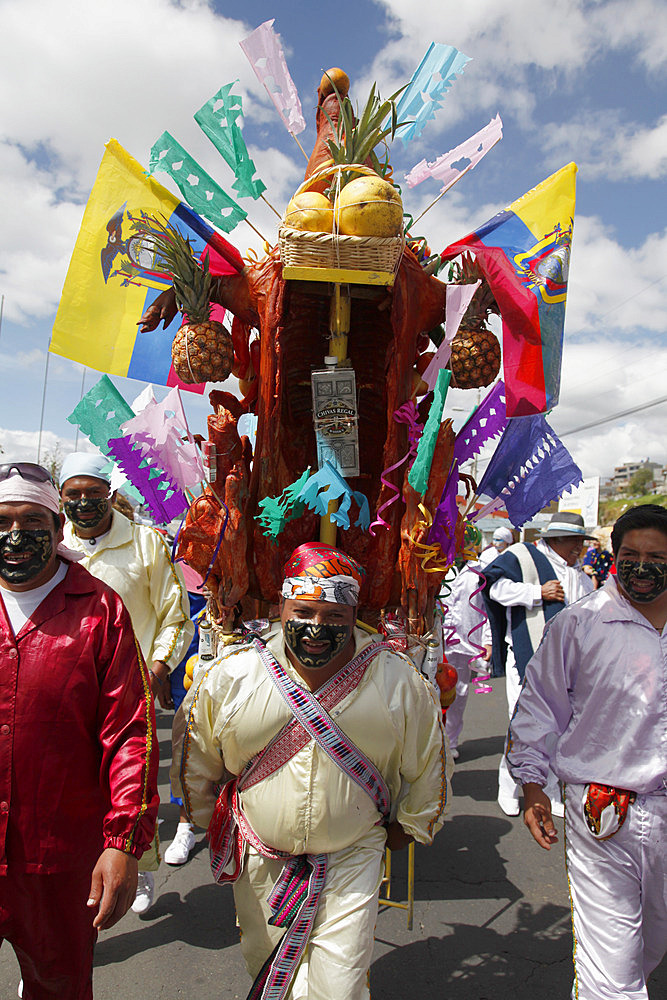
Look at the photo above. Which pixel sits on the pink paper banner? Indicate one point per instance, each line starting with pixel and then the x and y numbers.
pixel 458 300
pixel 265 54
pixel 451 166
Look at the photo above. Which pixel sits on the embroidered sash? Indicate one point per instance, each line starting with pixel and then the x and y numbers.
pixel 295 897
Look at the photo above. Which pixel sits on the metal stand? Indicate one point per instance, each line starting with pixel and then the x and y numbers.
pixel 386 884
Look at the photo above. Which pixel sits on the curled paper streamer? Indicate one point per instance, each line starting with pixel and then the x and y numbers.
pixel 406 414
pixel 429 552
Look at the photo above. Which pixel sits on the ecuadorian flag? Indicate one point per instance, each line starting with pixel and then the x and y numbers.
pixel 524 254
pixel 112 278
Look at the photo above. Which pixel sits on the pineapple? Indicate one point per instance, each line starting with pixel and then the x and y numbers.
pixel 475 359
pixel 202 350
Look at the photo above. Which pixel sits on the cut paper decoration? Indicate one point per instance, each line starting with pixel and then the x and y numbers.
pixel 457 300
pixel 264 52
pixel 162 434
pixel 524 254
pixel 421 467
pixel 219 120
pixel 442 531
pixel 315 492
pixel 279 511
pixel 162 497
pixel 529 468
pixel 451 166
pixel 199 189
pixel 326 485
pixel 428 88
pixel 100 413
pixel 485 422
pixel 112 280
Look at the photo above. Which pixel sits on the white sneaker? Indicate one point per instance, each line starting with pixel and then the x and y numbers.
pixel 145 893
pixel 178 851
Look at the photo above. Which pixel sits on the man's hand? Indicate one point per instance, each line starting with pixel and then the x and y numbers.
pixel 160 684
pixel 552 591
pixel 537 815
pixel 162 310
pixel 112 887
pixel 487 654
pixel 397 838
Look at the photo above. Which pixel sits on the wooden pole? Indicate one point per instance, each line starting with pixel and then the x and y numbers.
pixel 339 325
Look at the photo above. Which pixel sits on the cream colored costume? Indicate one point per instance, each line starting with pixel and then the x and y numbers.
pixel 135 562
pixel 310 805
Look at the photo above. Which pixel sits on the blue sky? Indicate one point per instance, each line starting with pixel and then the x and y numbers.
pixel 581 80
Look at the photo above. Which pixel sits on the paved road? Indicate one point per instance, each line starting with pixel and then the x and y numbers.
pixel 492 914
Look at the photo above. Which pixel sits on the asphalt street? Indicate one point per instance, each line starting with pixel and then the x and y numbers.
pixel 492 911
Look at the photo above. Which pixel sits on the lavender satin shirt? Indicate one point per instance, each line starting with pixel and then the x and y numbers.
pixel 594 702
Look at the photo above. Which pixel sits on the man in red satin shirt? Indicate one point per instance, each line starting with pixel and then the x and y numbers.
pixel 78 752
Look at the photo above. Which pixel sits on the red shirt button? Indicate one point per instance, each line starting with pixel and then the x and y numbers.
pixel 4 729
pixel 4 807
pixel 12 652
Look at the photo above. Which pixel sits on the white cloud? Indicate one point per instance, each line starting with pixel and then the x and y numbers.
pixel 520 50
pixel 614 287
pixel 603 146
pixel 22 446
pixel 82 82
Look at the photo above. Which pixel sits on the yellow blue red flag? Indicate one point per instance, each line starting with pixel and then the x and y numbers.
pixel 524 254
pixel 113 277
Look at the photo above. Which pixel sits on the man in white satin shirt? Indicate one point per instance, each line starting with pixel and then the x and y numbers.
pixel 594 708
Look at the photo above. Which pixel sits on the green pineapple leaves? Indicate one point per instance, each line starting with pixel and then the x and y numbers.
pixel 355 140
pixel 173 254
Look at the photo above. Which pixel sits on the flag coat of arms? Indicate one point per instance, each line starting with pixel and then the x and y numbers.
pixel 113 278
pixel 524 254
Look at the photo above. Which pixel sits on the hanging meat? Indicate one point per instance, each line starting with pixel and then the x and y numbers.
pixel 387 333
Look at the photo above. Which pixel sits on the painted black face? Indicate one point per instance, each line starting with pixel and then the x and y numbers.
pixel 335 637
pixel 87 513
pixel 33 547
pixel 642 581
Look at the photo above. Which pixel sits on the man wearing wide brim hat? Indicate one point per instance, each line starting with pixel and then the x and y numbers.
pixel 525 587
pixel 319 785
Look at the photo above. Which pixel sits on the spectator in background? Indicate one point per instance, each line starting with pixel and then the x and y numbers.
pixel 597 561
pixel 502 538
pixel 460 618
pixel 525 587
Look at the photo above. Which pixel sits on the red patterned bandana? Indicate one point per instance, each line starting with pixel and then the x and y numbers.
pixel 316 572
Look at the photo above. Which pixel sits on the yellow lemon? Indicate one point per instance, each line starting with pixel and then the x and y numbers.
pixel 369 206
pixel 310 211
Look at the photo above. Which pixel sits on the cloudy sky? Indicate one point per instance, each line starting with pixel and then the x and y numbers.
pixel 580 80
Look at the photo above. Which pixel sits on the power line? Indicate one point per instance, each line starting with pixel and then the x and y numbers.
pixel 615 416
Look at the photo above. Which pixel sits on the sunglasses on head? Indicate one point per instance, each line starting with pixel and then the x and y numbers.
pixel 26 470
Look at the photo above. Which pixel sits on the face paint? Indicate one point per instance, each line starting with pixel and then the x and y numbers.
pixel 642 581
pixel 97 509
pixel 36 545
pixel 336 638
